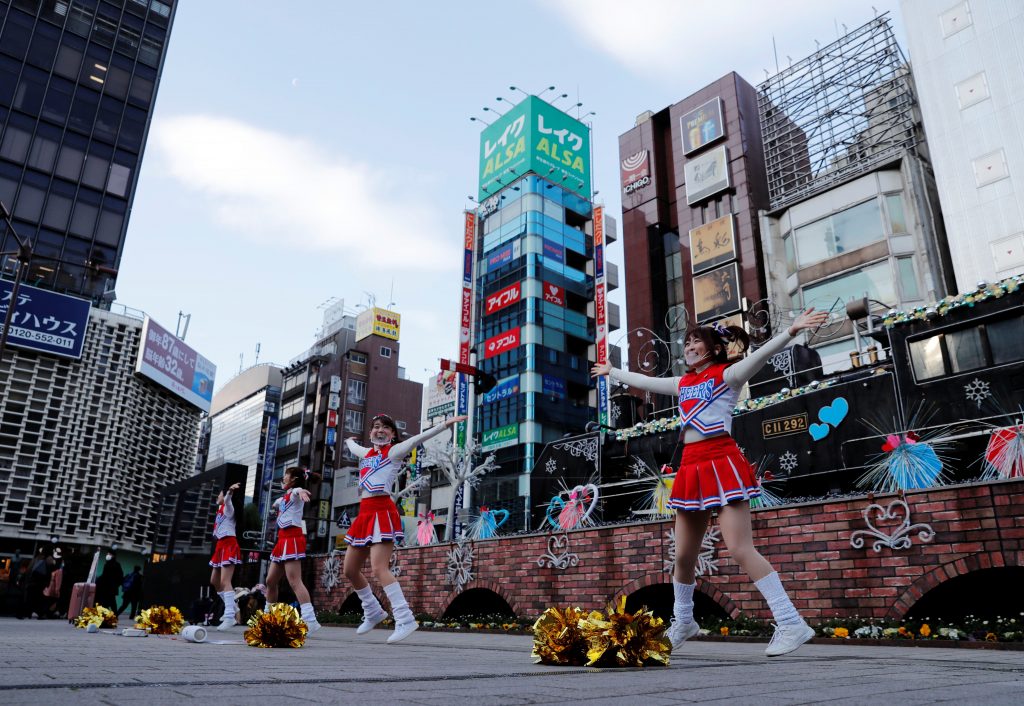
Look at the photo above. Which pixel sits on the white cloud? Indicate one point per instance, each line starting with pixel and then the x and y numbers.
pixel 269 186
pixel 677 38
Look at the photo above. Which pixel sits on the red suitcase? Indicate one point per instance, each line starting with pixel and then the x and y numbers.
pixel 83 595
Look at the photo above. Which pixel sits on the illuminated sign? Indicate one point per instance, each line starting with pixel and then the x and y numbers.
pixel 706 175
pixel 501 437
pixel 635 171
pixel 553 250
pixel 702 126
pixel 505 388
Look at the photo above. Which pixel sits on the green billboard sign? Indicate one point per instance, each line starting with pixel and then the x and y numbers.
pixel 500 437
pixel 534 136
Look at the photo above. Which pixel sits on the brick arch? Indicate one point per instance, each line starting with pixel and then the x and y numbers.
pixel 479 583
pixel 706 587
pixel 945 572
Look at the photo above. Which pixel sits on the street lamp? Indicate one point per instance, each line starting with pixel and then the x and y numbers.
pixel 23 256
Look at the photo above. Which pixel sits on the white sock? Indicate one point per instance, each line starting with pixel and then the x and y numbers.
pixel 778 600
pixel 307 612
pixel 399 608
pixel 371 606
pixel 229 606
pixel 683 607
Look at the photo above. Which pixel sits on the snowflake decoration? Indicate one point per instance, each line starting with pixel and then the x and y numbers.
pixel 638 468
pixel 788 462
pixel 394 566
pixel 550 467
pixel 331 575
pixel 707 564
pixel 977 391
pixel 460 565
pixel 614 413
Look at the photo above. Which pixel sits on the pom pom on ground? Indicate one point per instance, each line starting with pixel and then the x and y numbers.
pixel 625 639
pixel 160 620
pixel 98 616
pixel 557 638
pixel 277 626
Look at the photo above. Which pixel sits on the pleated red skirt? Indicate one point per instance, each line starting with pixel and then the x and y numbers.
pixel 226 552
pixel 378 521
pixel 712 473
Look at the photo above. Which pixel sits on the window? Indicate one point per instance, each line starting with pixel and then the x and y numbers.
pixel 400 424
pixel 897 221
pixel 354 421
pixel 58 210
pixel 15 144
pixel 29 204
pixel 841 232
pixel 926 357
pixel 976 347
pixel 787 245
pixel 908 278
pixel 385 352
pixel 357 391
pixel 1004 339
pixel 57 102
pixel 357 357
pixel 69 61
pixel 964 348
pixel 876 280
pixel 117 181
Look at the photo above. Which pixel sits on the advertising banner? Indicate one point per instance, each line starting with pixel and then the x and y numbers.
pixel 504 341
pixel 500 437
pixel 465 323
pixel 553 250
pixel 166 360
pixel 600 315
pixel 702 126
pixel 502 256
pixel 506 387
pixel 712 244
pixel 717 293
pixel 332 418
pixel 534 136
pixel 553 294
pixel 332 437
pixel 502 298
pixel 380 322
pixel 441 394
pixel 45 321
pixel 554 387
pixel 706 175
pixel 269 458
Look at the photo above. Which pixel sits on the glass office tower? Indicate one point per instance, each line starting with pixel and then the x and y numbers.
pixel 78 80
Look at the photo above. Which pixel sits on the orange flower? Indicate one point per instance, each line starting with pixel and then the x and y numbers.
pixel 841 632
pixel 903 632
pixel 724 630
pixel 925 630
pixel 991 637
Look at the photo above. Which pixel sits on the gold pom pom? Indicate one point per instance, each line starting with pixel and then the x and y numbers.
pixel 277 626
pixel 624 639
pixel 160 620
pixel 557 638
pixel 98 616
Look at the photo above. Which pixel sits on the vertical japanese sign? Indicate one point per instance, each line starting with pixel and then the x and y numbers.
pixel 465 323
pixel 269 454
pixel 601 314
pixel 45 321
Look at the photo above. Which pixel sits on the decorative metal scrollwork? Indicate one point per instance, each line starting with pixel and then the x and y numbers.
pixel 558 555
pixel 900 537
pixel 586 448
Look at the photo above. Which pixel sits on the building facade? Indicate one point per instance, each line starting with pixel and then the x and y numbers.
pixel 531 282
pixel 78 81
pixel 970 83
pixel 86 445
pixel 693 181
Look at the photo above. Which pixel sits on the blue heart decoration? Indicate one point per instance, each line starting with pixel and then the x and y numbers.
pixel 818 431
pixel 834 413
pixel 504 517
pixel 554 508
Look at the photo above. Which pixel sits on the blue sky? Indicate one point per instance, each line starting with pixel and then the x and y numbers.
pixel 306 150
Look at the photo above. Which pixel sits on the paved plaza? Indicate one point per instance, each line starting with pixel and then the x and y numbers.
pixel 49 662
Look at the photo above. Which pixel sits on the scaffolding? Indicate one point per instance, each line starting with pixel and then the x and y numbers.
pixel 839 113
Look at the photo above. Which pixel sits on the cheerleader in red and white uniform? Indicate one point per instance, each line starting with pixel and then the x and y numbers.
pixel 290 548
pixel 378 525
pixel 225 555
pixel 713 472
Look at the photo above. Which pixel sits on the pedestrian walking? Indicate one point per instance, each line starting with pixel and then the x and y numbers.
pixel 109 581
pixel 131 592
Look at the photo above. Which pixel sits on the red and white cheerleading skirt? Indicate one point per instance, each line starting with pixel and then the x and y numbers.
pixel 712 473
pixel 226 552
pixel 378 521
pixel 291 545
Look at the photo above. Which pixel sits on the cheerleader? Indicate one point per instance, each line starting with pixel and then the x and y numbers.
pixel 378 526
pixel 714 474
pixel 290 548
pixel 226 555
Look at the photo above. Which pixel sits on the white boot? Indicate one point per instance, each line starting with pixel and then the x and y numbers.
pixel 405 623
pixel 227 621
pixel 373 612
pixel 309 617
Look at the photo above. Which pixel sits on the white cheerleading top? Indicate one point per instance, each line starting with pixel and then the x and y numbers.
pixel 289 509
pixel 224 521
pixel 379 466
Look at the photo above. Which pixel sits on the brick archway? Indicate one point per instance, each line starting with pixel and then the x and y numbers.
pixel 706 587
pixel 945 572
pixel 478 583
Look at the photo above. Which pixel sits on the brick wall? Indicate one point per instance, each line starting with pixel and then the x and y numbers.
pixel 975 527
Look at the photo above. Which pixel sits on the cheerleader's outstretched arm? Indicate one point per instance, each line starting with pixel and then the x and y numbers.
pixel 402 449
pixel 661 386
pixel 737 375
pixel 356 450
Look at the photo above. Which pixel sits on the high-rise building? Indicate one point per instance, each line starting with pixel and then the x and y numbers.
pixel 693 181
pixel 970 82
pixel 78 81
pixel 534 311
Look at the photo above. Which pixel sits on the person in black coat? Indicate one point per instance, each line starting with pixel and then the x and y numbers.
pixel 131 592
pixel 109 582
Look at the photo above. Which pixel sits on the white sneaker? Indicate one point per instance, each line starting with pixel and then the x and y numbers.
pixel 403 631
pixel 226 623
pixel 787 638
pixel 678 633
pixel 312 625
pixel 370 622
